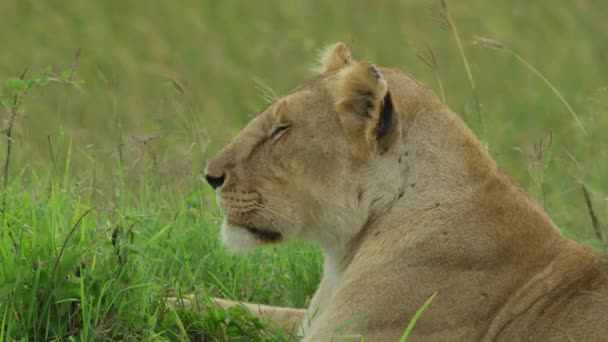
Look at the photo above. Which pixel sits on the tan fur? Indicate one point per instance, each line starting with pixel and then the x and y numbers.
pixel 334 57
pixel 422 209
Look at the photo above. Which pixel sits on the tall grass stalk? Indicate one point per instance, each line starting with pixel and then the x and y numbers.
pixel 427 56
pixel 20 90
pixel 451 25
pixel 497 45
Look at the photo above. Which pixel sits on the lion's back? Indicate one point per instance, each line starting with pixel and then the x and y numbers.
pixel 576 313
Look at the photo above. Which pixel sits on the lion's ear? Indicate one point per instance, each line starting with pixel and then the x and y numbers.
pixel 334 57
pixel 361 90
pixel 365 106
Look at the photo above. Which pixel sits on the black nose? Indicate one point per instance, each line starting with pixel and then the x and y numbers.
pixel 215 182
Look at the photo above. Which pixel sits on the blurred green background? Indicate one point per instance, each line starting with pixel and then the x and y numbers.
pixel 162 85
pixel 173 81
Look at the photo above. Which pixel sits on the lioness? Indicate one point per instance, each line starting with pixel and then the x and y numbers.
pixel 404 201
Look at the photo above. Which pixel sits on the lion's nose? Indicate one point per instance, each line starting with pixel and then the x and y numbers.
pixel 219 168
pixel 215 181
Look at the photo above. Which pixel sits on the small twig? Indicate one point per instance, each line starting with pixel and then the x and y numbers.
pixel 48 138
pixel 177 85
pixel 427 56
pixel 595 223
pixel 74 65
pixel 14 111
pixel 116 243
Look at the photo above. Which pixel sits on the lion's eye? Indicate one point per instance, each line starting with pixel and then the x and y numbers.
pixel 279 130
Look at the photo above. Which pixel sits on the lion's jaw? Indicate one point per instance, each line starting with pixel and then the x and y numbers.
pixel 293 213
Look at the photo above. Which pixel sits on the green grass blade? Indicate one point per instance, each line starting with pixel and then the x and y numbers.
pixel 414 319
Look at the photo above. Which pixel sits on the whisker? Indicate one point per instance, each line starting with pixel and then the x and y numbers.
pixel 290 218
pixel 284 220
pixel 285 214
pixel 272 222
pixel 264 211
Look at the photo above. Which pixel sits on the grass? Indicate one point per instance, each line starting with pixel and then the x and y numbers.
pixel 104 210
pixel 416 317
pixel 71 268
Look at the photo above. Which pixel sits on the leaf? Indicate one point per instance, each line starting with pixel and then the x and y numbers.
pixel 233 330
pixel 46 71
pixel 6 288
pixel 15 84
pixel 7 103
pixel 66 74
pixel 69 289
pixel 42 81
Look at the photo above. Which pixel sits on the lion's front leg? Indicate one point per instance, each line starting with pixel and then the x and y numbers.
pixel 287 319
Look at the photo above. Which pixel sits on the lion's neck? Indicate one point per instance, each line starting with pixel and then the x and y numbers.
pixel 434 164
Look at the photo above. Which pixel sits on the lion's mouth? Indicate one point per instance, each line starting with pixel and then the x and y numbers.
pixel 262 234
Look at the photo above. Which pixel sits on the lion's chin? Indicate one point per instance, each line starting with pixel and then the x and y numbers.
pixel 240 237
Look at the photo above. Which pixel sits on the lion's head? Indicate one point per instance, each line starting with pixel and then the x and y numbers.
pixel 318 163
